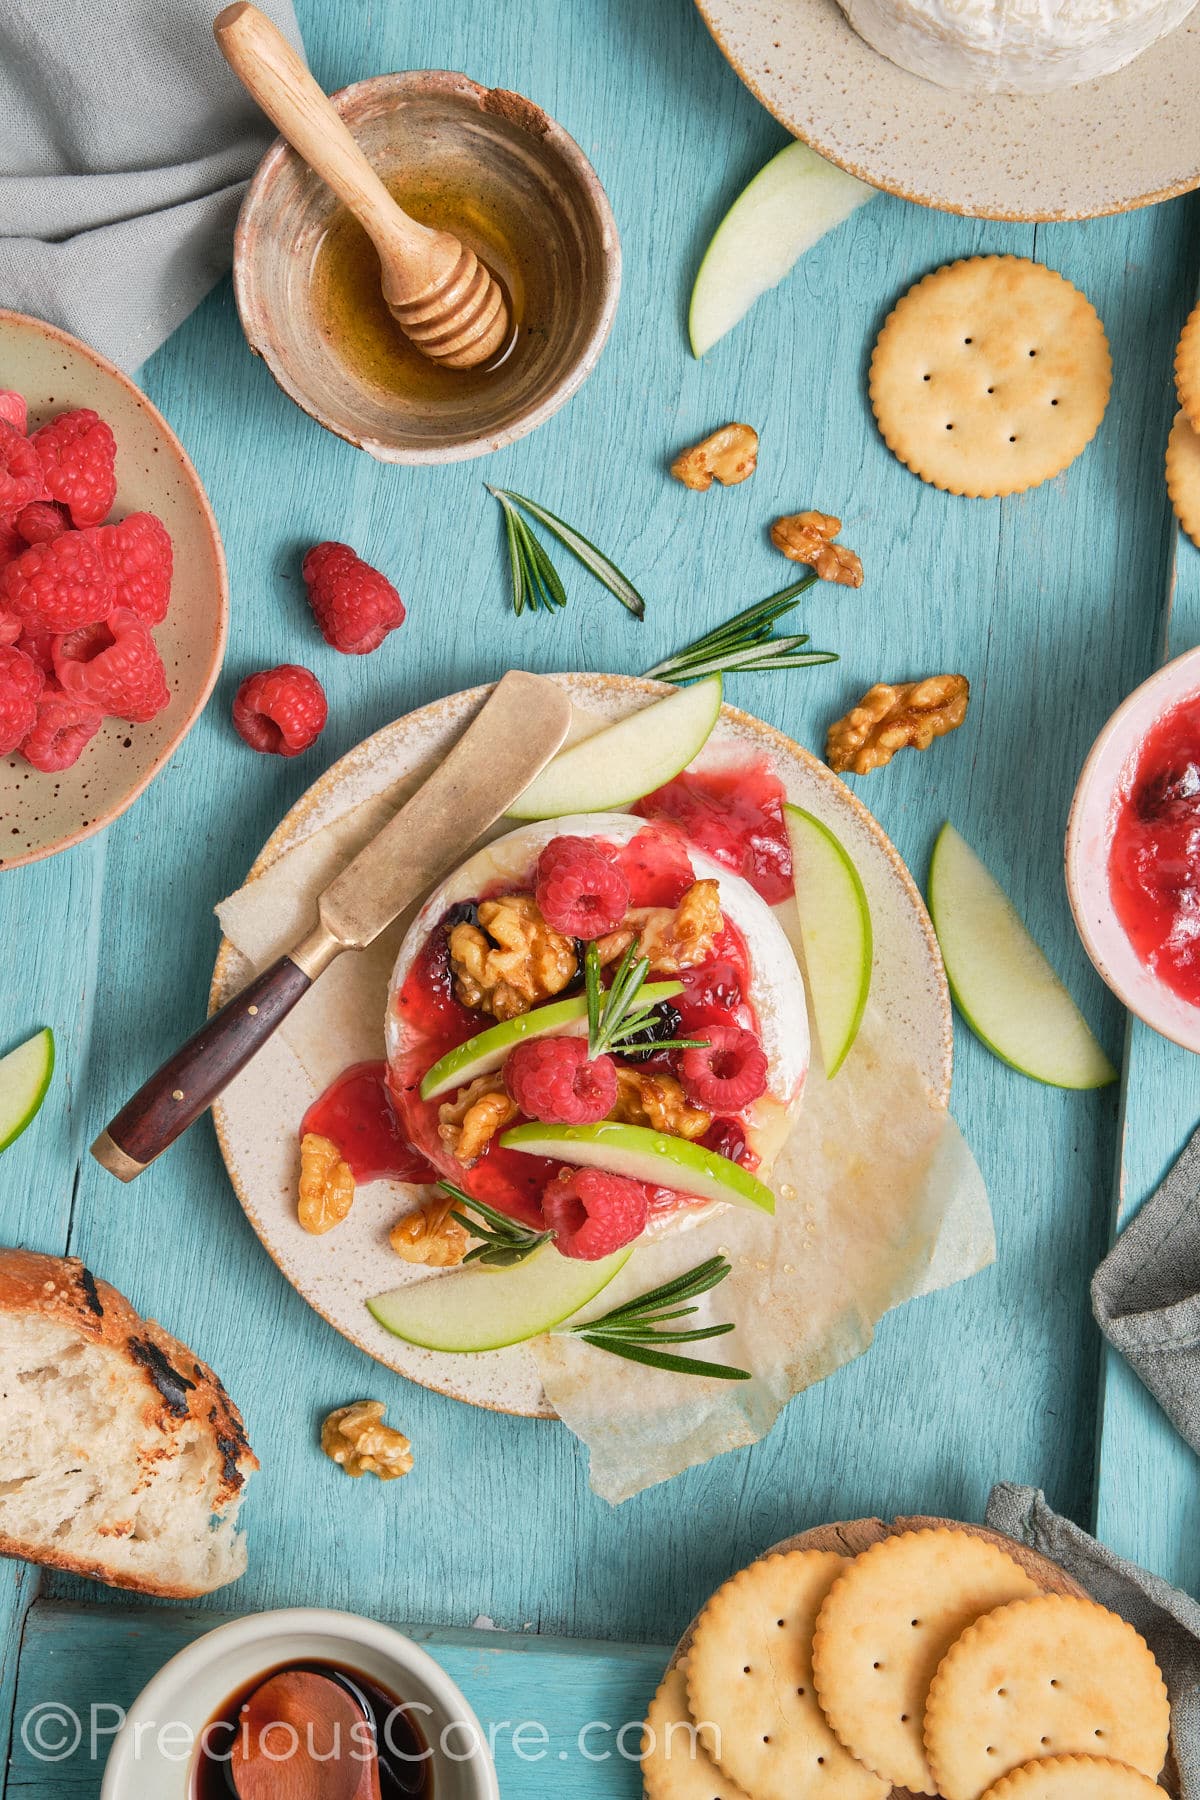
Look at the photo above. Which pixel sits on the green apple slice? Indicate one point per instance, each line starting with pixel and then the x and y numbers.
pixel 835 933
pixel 476 1309
pixel 487 1050
pixel 790 203
pixel 645 1155
pixel 618 765
pixel 1002 983
pixel 24 1077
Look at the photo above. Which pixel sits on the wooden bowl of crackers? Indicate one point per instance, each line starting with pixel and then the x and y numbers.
pixel 868 1661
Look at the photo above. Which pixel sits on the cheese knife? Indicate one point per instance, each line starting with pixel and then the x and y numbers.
pixel 510 740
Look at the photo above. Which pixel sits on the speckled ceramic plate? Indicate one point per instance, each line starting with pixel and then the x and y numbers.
pixel 41 814
pixel 258 1118
pixel 1103 147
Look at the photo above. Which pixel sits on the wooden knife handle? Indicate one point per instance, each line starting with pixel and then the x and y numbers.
pixel 191 1080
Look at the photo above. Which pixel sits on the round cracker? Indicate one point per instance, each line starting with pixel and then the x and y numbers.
pixel 990 376
pixel 1187 369
pixel 675 1764
pixel 750 1684
pixel 1050 1676
pixel 1183 475
pixel 884 1629
pixel 1075 1778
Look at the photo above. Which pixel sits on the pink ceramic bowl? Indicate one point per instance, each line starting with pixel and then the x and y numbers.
pixel 1105 780
pixel 41 814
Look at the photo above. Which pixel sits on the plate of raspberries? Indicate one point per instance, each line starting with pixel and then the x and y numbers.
pixel 113 591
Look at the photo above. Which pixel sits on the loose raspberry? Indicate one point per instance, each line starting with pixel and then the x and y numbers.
pixel 40 521
pixel 554 1080
pixel 21 682
pixel 593 1213
pixel 21 478
pixel 77 453
pixel 728 1073
pixel 579 888
pixel 354 605
pixel 139 556
pixel 281 711
pixel 13 410
pixel 114 665
pixel 64 727
pixel 58 586
pixel 10 628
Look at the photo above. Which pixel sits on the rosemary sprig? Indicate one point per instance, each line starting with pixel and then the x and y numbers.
pixel 505 1241
pixel 615 1016
pixel 635 1330
pixel 533 573
pixel 746 644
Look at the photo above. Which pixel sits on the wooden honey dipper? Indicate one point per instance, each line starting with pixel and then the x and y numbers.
pixel 442 297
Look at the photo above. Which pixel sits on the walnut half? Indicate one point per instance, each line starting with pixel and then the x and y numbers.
pixel 468 1123
pixel 357 1440
pixel 729 455
pixel 430 1236
pixel 326 1184
pixel 807 537
pixel 511 959
pixel 895 716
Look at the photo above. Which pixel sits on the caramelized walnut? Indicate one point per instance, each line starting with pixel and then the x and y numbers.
pixel 647 1097
pixel 357 1440
pixel 430 1236
pixel 807 537
pixel 512 959
pixel 468 1123
pixel 894 716
pixel 672 937
pixel 326 1184
pixel 729 455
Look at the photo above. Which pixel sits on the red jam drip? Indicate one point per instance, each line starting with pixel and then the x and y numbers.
pixel 735 813
pixel 356 1114
pixel 1154 863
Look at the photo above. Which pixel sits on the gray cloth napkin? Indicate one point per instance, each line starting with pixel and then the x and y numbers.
pixel 1168 1619
pixel 1146 1294
pixel 125 145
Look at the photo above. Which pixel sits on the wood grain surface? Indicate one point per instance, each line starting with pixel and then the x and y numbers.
pixel 1054 603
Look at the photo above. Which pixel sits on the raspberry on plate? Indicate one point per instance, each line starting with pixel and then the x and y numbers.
pixel 58 586
pixel 40 521
pixel 114 665
pixel 280 711
pixel 77 453
pixel 354 605
pixel 139 557
pixel 64 727
pixel 579 888
pixel 728 1073
pixel 21 478
pixel 13 410
pixel 553 1079
pixel 21 682
pixel 593 1213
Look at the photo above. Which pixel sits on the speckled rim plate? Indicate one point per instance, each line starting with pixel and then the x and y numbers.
pixel 43 814
pixel 1106 146
pixel 258 1117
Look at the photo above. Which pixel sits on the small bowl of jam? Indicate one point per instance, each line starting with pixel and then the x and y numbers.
pixel 1133 852
pixel 184 1734
pixel 511 184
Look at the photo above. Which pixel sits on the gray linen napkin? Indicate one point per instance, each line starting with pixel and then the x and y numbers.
pixel 125 145
pixel 1168 1619
pixel 1146 1294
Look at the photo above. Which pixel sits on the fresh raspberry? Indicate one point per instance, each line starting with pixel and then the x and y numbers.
pixel 58 586
pixel 37 645
pixel 21 478
pixel 10 628
pixel 77 453
pixel 728 1073
pixel 579 888
pixel 593 1213
pixel 354 605
pixel 139 556
pixel 114 665
pixel 281 711
pixel 64 726
pixel 40 521
pixel 21 682
pixel 13 410
pixel 553 1079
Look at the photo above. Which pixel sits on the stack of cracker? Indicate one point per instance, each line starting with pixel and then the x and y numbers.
pixel 1183 448
pixel 931 1663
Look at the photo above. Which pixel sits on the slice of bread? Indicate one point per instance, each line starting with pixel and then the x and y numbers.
pixel 121 1455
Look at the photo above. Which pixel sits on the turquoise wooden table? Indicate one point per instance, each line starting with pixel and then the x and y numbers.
pixel 1055 604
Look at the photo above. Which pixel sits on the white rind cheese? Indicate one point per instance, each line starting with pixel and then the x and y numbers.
pixel 1013 46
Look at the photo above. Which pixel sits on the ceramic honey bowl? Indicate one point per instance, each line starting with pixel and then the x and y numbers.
pixel 512 185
